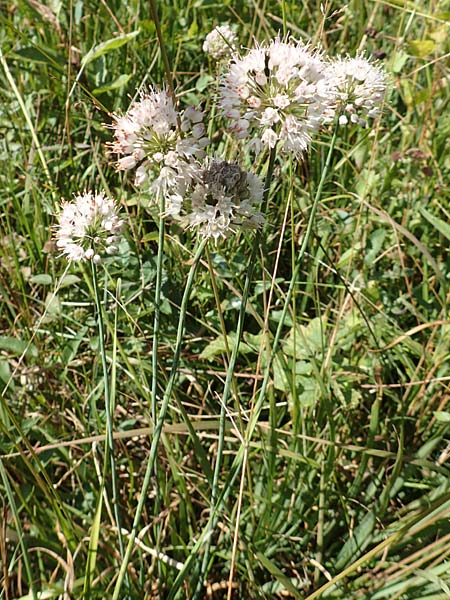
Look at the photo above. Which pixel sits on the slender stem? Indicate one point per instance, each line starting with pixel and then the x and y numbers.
pixel 109 409
pixel 157 317
pixel 10 496
pixel 31 127
pixel 162 47
pixel 293 281
pixel 155 346
pixel 160 422
pixel 230 376
pixel 241 457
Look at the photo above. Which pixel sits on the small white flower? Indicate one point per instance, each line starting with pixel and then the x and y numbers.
pixel 223 199
pixel 283 86
pixel 153 136
pixel 220 42
pixel 361 87
pixel 88 227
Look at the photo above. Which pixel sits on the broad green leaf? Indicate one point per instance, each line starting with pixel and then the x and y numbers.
pixel 69 279
pixel 150 237
pixel 5 371
pixel 421 48
pixel 440 225
pixel 442 416
pixel 304 341
pixel 217 346
pixel 42 279
pixel 17 347
pixel 348 255
pixel 399 61
pixel 311 392
pixel 35 54
pixel 53 308
pixel 119 82
pixel 203 82
pixel 281 379
pixel 107 46
pixel 376 238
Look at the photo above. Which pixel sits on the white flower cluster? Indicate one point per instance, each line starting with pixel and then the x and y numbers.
pixel 159 142
pixel 280 93
pixel 165 148
pixel 223 198
pixel 220 42
pixel 360 88
pixel 280 89
pixel 89 227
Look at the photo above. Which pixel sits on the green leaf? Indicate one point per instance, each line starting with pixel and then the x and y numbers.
pixel 119 82
pixel 5 371
pixel 399 61
pixel 203 82
pixel 279 575
pixel 354 546
pixel 150 237
pixel 107 46
pixel 53 308
pixel 442 416
pixel 311 393
pixel 304 341
pixel 376 239
pixel 93 547
pixel 440 225
pixel 421 48
pixel 281 379
pixel 69 279
pixel 17 347
pixel 42 279
pixel 217 346
pixel 35 54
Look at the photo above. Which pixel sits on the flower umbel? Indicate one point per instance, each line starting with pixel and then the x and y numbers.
pixel 89 227
pixel 158 141
pixel 280 92
pixel 360 85
pixel 220 42
pixel 225 197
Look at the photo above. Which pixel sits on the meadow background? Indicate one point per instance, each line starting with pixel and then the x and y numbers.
pixel 332 483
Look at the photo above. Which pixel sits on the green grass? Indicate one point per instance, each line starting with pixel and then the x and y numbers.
pixel 309 461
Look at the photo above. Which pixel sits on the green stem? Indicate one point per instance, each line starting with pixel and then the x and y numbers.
pixel 20 534
pixel 156 328
pixel 156 322
pixel 109 409
pixel 300 255
pixel 160 422
pixel 239 459
pixel 162 47
pixel 229 379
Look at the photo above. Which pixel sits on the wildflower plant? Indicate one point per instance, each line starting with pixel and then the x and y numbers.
pixel 360 88
pixel 222 198
pixel 276 97
pixel 89 227
pixel 160 143
pixel 220 42
pixel 278 93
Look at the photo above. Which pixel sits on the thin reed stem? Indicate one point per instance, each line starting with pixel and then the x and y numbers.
pixel 160 422
pixel 109 409
pixel 298 264
pixel 229 378
pixel 162 47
